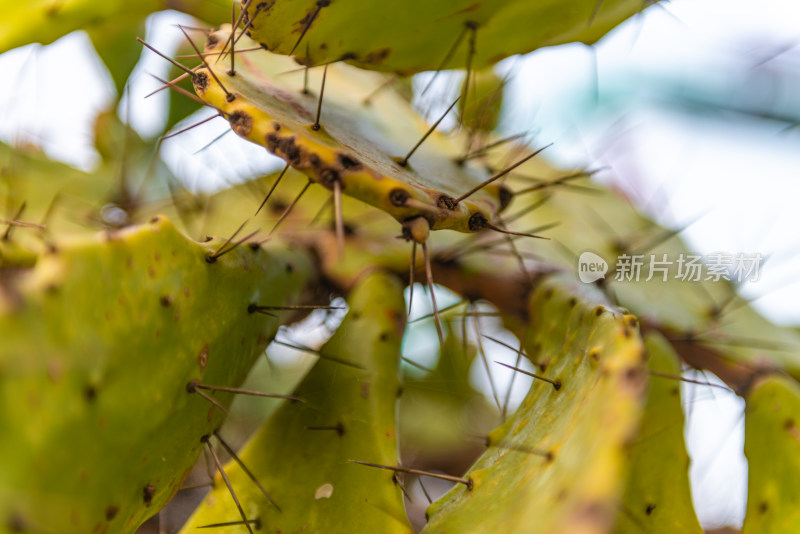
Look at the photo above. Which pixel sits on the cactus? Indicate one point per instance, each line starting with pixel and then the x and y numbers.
pixel 770 433
pixel 121 351
pixel 98 421
pixel 419 35
pixel 346 412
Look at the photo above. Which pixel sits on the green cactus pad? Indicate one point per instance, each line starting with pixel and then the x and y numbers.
pixel 99 342
pixel 772 447
pixel 357 145
pixel 657 497
pixel 417 35
pixel 301 455
pixel 481 101
pixel 44 21
pixel 557 464
pixel 707 322
pixel 441 413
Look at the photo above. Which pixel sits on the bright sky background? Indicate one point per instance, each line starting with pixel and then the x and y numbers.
pixel 637 102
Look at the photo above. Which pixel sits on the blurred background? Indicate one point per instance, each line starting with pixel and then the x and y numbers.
pixel 691 108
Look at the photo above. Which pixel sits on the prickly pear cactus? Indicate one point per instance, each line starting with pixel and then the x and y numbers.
pixel 558 463
pixel 772 446
pixel 120 352
pixel 657 495
pixel 304 454
pixel 104 341
pixel 417 35
pixel 361 149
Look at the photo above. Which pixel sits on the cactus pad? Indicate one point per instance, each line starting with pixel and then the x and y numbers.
pixel 356 145
pixel 417 35
pixel 99 341
pixel 772 447
pixel 301 455
pixel 657 496
pixel 557 462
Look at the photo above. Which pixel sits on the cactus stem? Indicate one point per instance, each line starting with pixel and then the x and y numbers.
pixel 195 125
pixel 230 97
pixel 466 481
pixel 320 5
pixel 316 126
pixel 272 189
pixel 256 522
pixel 429 273
pixel 556 383
pixel 240 391
pixel 227 482
pixel 403 162
pixel 500 174
pixel 247 471
pixel 291 206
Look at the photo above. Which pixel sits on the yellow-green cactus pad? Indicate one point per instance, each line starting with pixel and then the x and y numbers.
pixel 357 145
pixel 558 463
pixel 99 342
pixel 657 498
pixel 301 456
pixel 772 447
pixel 481 100
pixel 710 325
pixel 417 35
